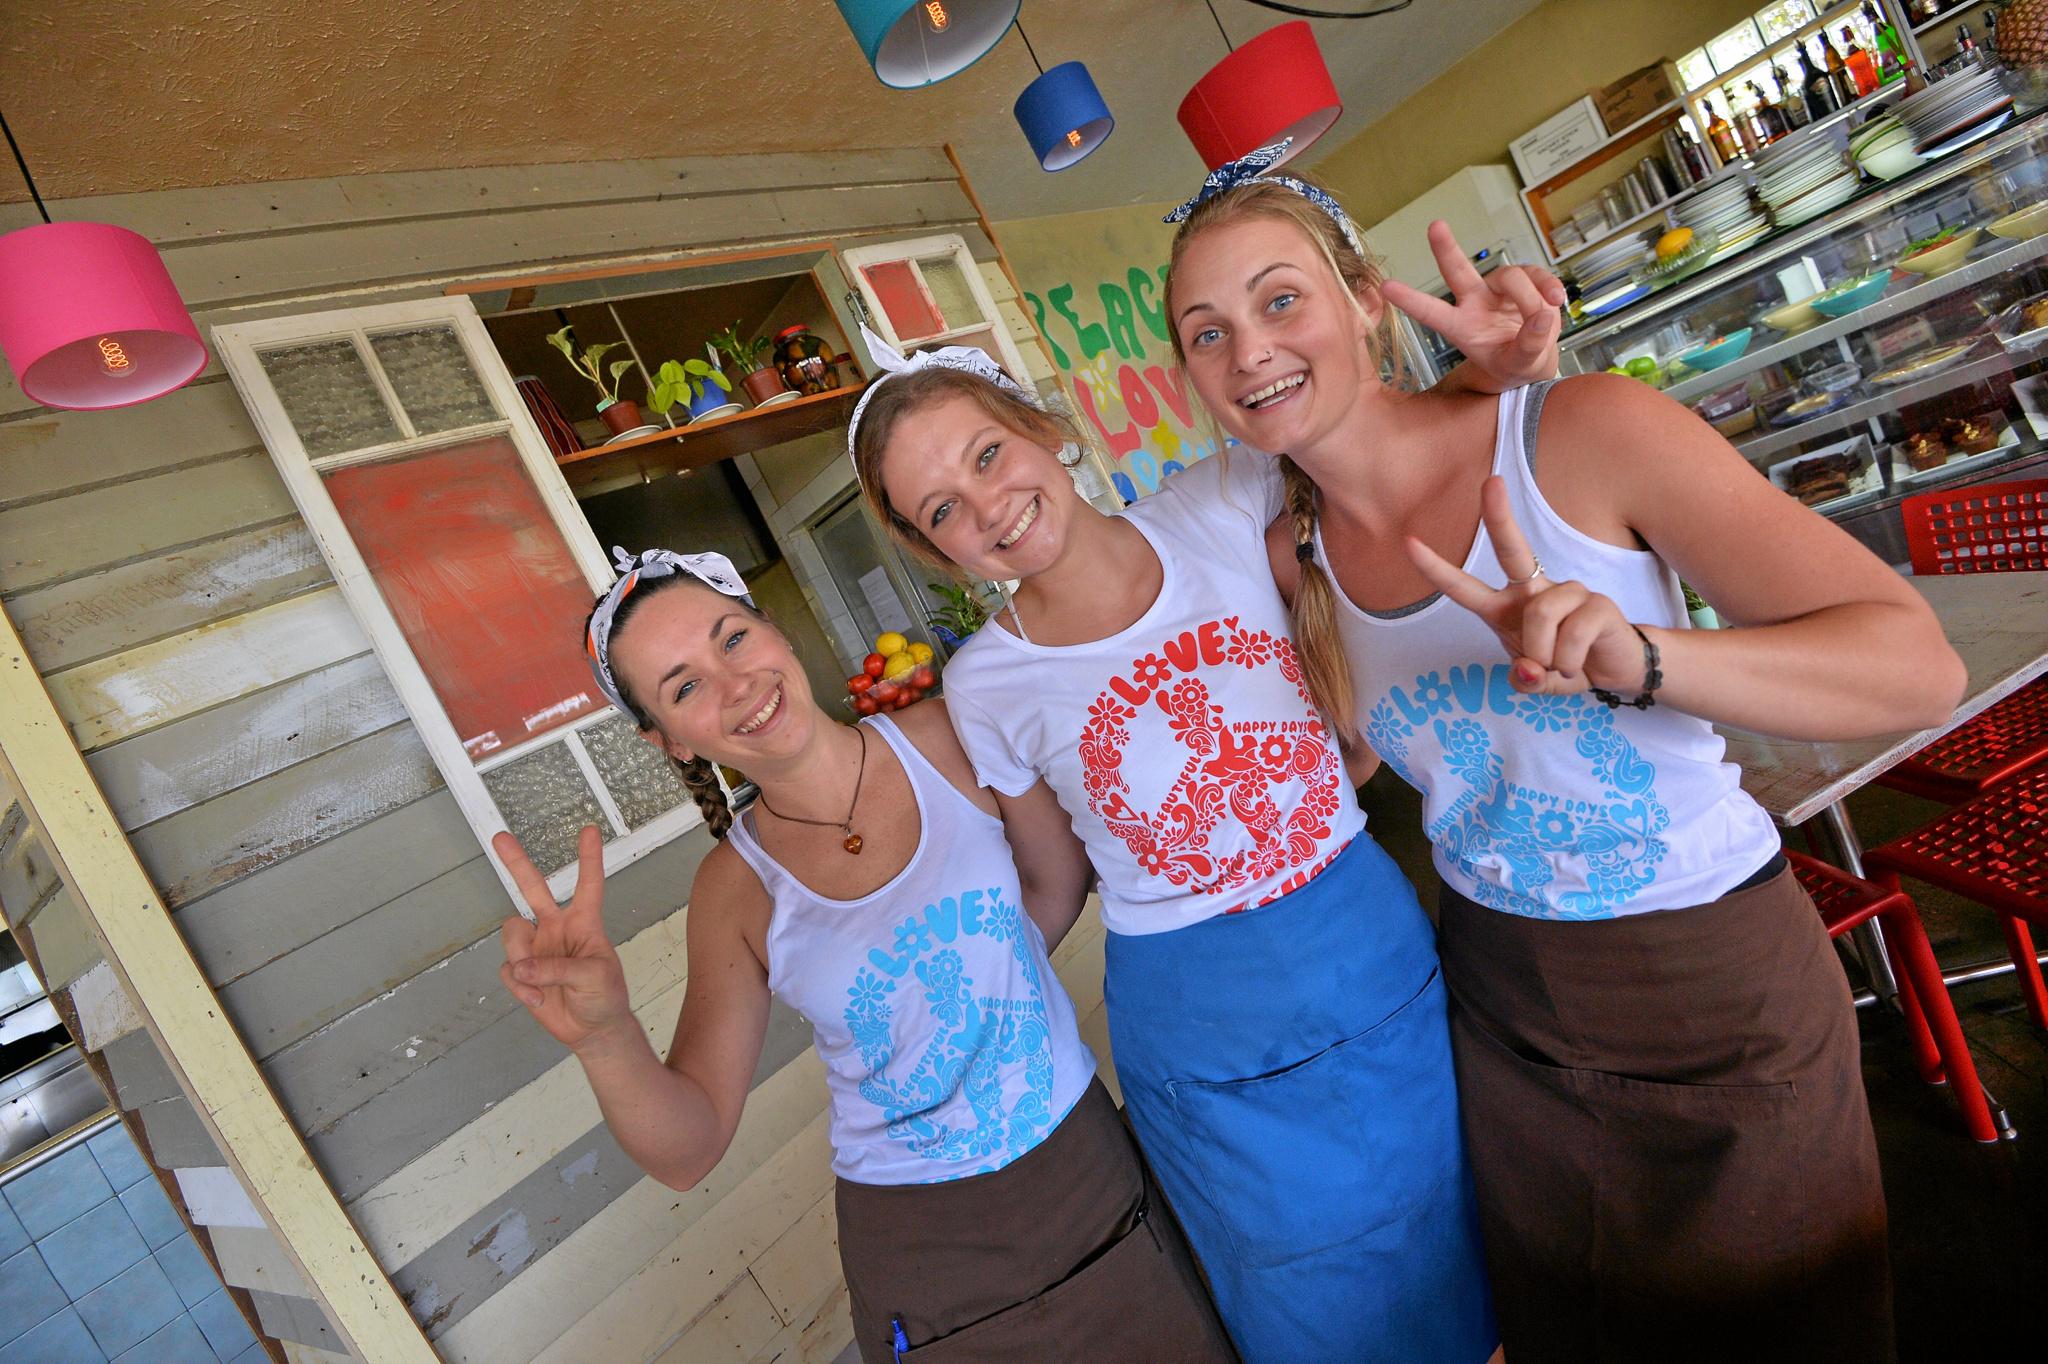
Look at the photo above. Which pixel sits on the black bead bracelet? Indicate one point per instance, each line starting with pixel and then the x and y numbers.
pixel 1653 678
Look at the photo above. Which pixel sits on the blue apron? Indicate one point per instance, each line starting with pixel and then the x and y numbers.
pixel 1288 1070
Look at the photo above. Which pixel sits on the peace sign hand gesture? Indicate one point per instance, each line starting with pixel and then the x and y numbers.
pixel 1506 323
pixel 1563 637
pixel 561 965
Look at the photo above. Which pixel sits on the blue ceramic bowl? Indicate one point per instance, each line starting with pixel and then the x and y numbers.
pixel 1728 348
pixel 1841 304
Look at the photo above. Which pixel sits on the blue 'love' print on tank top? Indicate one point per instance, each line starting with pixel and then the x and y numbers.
pixel 1510 837
pixel 977 1036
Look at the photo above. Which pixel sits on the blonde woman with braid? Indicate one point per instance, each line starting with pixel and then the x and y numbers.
pixel 1274 1007
pixel 1656 1047
pixel 991 1205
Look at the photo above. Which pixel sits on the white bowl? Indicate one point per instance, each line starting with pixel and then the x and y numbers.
pixel 1892 161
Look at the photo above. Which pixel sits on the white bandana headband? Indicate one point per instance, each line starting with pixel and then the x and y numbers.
pixel 891 363
pixel 713 570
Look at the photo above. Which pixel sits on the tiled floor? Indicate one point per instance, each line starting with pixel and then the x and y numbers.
pixel 95 1265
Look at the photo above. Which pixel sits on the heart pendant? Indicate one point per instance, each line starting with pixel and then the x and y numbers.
pixel 852 843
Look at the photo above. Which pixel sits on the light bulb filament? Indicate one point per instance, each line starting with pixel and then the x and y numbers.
pixel 1074 138
pixel 935 15
pixel 113 358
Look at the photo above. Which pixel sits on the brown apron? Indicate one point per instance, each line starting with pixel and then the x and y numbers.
pixel 1067 1252
pixel 1669 1133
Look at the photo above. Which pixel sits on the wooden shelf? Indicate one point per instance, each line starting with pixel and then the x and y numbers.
pixel 707 442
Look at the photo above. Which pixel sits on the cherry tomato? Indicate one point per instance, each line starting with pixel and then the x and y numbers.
pixel 885 692
pixel 922 676
pixel 866 705
pixel 903 699
pixel 859 683
pixel 873 664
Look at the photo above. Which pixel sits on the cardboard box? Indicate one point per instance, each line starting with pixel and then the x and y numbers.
pixel 1636 95
pixel 1558 142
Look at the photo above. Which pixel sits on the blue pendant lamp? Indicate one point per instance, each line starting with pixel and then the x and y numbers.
pixel 1062 113
pixel 921 42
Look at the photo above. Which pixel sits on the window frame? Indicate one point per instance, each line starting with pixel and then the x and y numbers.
pixel 240 347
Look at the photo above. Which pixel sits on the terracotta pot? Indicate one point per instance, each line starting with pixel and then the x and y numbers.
pixel 621 416
pixel 763 384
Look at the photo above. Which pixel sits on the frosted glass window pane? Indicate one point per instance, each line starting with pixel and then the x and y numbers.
pixel 1783 19
pixel 1732 47
pixel 546 803
pixel 642 780
pixel 951 291
pixel 1694 68
pixel 433 379
pixel 330 397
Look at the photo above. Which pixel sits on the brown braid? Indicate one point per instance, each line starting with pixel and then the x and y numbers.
pixel 702 780
pixel 1314 614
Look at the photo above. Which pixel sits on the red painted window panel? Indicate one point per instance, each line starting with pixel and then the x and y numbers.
pixel 481 582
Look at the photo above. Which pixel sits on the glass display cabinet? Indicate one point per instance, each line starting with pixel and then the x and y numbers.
pixel 1887 346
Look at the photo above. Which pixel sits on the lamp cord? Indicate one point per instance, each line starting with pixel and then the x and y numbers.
pixel 1227 44
pixel 1332 14
pixel 1029 48
pixel 27 179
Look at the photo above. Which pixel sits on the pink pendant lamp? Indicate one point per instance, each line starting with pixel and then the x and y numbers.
pixel 1275 86
pixel 89 317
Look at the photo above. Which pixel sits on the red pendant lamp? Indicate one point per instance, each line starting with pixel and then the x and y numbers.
pixel 89 317
pixel 1275 86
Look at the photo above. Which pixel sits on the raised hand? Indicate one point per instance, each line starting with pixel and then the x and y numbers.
pixel 1563 637
pixel 1506 323
pixel 561 965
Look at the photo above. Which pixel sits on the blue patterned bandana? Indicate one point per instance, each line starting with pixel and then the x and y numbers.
pixel 1254 167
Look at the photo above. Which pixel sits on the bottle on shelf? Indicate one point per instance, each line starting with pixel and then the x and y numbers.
pixel 1721 135
pixel 1966 46
pixel 1747 134
pixel 1791 103
pixel 1891 49
pixel 1814 87
pixel 1862 69
pixel 1769 114
pixel 1839 80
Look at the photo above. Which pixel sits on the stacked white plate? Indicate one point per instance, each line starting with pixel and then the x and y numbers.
pixel 1946 109
pixel 1609 260
pixel 1804 182
pixel 1727 212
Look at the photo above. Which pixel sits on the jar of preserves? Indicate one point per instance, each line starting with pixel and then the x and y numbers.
pixel 805 360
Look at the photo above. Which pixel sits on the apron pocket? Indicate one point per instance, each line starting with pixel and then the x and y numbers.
pixel 1350 1141
pixel 1133 1289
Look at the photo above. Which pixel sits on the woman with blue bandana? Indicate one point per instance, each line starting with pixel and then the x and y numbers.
pixel 1656 1048
pixel 1274 1006
pixel 991 1205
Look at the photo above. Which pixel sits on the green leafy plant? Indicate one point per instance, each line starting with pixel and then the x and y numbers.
pixel 682 381
pixel 964 613
pixel 589 363
pixel 745 353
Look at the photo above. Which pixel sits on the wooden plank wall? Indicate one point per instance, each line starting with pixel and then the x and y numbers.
pixel 292 820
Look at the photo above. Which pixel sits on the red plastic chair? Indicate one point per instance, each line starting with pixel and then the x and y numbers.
pixel 1993 850
pixel 1992 528
pixel 1936 1036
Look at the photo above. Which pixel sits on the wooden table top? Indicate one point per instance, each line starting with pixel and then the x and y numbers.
pixel 1998 622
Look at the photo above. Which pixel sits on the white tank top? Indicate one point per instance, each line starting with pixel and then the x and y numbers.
pixel 1553 807
pixel 949 1045
pixel 1185 747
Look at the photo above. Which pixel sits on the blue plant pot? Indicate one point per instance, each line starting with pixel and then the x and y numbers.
pixel 713 398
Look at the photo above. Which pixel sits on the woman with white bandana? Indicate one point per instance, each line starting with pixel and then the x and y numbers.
pixel 1274 1006
pixel 991 1204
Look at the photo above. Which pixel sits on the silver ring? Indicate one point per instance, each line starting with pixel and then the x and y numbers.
pixel 1534 573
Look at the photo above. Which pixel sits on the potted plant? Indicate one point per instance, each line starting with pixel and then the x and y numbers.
pixel 694 383
pixel 749 359
pixel 964 613
pixel 620 414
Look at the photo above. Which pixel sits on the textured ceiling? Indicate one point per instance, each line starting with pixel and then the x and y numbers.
pixel 110 96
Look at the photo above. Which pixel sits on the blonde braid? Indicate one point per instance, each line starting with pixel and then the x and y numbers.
pixel 702 780
pixel 1314 614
